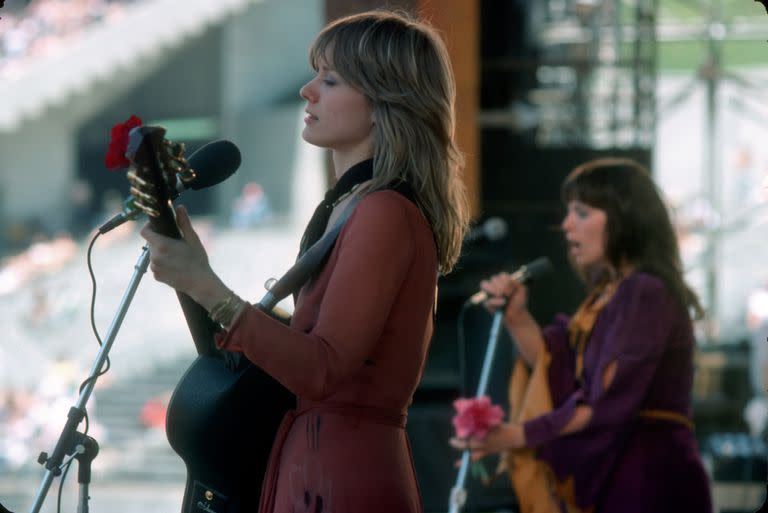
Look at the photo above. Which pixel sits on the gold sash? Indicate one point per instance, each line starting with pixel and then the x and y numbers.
pixel 582 322
pixel 534 483
pixel 529 397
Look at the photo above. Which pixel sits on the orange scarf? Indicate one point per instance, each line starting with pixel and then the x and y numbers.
pixel 582 322
pixel 534 483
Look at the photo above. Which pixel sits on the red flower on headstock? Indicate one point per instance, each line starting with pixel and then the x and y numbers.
pixel 475 417
pixel 115 157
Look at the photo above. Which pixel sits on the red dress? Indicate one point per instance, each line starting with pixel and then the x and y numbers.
pixel 354 354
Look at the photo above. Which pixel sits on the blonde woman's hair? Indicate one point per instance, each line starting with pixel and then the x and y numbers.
pixel 402 66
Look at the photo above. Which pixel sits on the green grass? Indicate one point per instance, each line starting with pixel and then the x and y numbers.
pixel 686 56
pixel 690 10
pixel 689 55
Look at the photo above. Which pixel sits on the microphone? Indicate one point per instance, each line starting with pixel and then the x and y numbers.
pixel 493 228
pixel 525 273
pixel 213 163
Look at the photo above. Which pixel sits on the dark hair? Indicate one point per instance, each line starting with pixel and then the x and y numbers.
pixel 638 225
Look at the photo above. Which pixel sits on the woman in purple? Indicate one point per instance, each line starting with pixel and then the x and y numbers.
pixel 601 401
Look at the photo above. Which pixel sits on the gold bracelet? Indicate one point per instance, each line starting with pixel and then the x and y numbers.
pixel 224 311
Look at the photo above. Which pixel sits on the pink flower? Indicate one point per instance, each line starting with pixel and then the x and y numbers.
pixel 475 417
pixel 115 157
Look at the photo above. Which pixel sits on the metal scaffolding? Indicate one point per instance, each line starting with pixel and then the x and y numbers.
pixel 594 75
pixel 604 56
pixel 710 75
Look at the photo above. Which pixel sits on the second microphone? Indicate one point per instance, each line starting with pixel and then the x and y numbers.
pixel 527 272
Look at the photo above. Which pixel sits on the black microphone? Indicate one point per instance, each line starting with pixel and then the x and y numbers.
pixel 213 163
pixel 493 228
pixel 525 273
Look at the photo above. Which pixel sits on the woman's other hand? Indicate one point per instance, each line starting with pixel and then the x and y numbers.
pixel 499 439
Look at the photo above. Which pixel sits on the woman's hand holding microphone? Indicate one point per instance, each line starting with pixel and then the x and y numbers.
pixel 505 291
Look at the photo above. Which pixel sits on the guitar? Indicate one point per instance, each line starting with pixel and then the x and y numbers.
pixel 225 411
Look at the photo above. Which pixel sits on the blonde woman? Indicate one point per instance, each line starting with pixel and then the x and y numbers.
pixel 382 101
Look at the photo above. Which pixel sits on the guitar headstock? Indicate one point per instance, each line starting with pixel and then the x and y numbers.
pixel 156 166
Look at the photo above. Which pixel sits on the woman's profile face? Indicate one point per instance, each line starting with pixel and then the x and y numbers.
pixel 339 117
pixel 585 234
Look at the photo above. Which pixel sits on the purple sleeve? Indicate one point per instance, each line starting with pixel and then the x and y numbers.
pixel 635 326
pixel 562 384
pixel 636 338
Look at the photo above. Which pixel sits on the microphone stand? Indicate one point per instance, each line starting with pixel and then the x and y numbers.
pixel 71 442
pixel 458 492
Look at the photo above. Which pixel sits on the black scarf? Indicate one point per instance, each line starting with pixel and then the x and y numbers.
pixel 357 174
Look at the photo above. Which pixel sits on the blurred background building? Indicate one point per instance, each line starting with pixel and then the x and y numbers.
pixel 542 86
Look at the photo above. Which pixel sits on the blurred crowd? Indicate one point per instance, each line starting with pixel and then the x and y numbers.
pixel 42 256
pixel 32 418
pixel 40 27
pixel 44 295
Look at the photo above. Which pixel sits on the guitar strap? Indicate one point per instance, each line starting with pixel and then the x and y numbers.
pixel 295 277
pixel 307 264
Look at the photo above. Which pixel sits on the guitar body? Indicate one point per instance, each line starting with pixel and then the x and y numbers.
pixel 224 413
pixel 222 422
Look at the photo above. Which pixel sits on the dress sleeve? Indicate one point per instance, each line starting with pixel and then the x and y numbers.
pixel 375 250
pixel 635 337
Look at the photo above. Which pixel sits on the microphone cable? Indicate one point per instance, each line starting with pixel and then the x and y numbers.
pixel 93 377
pixel 460 342
pixel 92 315
pixel 64 472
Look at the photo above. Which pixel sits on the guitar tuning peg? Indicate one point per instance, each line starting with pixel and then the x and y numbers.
pixel 186 174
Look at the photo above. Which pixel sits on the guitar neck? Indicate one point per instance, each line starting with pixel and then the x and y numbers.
pixel 201 327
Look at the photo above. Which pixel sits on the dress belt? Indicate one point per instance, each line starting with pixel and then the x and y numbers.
pixel 669 415
pixel 386 416
pixel 361 413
